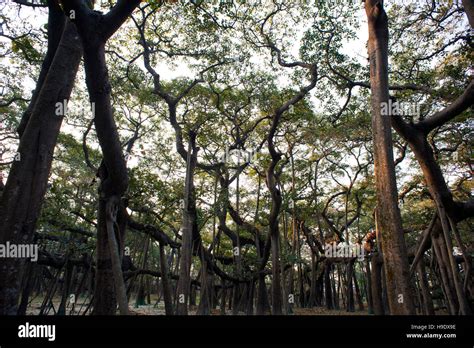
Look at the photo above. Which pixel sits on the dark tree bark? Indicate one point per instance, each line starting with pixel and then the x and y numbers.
pixel 469 8
pixel 376 282
pixel 350 288
pixel 327 285
pixel 165 282
pixel 66 288
pixel 24 191
pixel 56 24
pixel 314 287
pixel 204 307
pixel 368 288
pixel 28 287
pixel 275 237
pixel 95 29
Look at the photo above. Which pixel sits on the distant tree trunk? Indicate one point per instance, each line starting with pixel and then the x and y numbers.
pixel 327 285
pixel 340 285
pixel 29 281
pixel 68 276
pixel 368 287
pixel 388 215
pixel 204 307
pixel 223 297
pixel 291 285
pixel 276 279
pixel 313 296
pixel 319 289
pixel 184 281
pixel 428 308
pixel 263 304
pixel 360 303
pixel 237 256
pixel 275 237
pixel 350 289
pixel 450 298
pixel 140 300
pixel 335 293
pixel 165 282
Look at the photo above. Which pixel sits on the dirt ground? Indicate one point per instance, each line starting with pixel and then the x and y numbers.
pixel 157 308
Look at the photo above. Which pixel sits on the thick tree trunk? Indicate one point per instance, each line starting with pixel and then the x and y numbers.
pixel 112 206
pixel 469 8
pixel 114 182
pixel 56 24
pixel 388 214
pixel 24 191
pixel 104 299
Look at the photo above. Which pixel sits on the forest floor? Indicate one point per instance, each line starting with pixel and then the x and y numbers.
pixel 157 308
pixel 149 310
